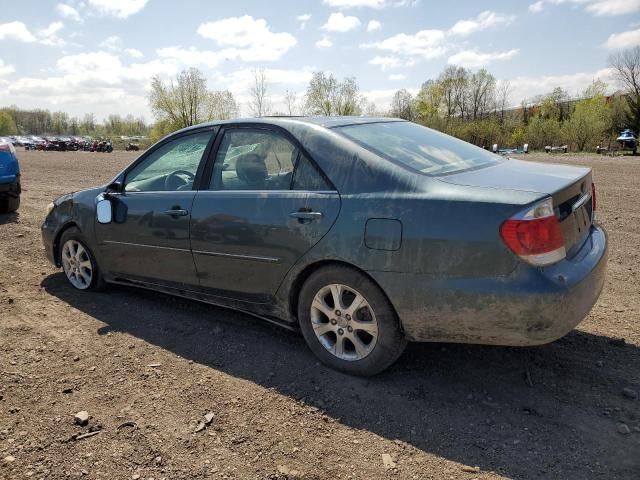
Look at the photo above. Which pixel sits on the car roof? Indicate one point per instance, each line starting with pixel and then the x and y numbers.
pixel 289 121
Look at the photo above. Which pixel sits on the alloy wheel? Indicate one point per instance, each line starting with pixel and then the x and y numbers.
pixel 344 322
pixel 77 265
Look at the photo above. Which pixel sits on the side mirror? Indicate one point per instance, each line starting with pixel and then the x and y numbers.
pixel 104 210
pixel 115 187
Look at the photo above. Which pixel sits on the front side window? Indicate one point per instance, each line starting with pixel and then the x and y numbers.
pixel 171 167
pixel 254 159
pixel 419 148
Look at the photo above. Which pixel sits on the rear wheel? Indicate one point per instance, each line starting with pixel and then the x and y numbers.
pixel 78 263
pixel 9 204
pixel 348 322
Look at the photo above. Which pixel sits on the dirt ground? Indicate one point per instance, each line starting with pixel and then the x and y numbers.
pixel 147 368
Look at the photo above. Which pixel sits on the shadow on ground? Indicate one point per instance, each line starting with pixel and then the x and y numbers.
pixel 548 411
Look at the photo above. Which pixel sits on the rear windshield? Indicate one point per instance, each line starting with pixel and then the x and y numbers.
pixel 419 148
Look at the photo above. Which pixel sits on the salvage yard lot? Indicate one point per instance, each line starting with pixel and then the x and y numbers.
pixel 148 367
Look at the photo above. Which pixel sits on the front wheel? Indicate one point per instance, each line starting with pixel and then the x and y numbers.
pixel 348 322
pixel 78 263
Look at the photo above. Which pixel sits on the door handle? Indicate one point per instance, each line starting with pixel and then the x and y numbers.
pixel 177 212
pixel 306 216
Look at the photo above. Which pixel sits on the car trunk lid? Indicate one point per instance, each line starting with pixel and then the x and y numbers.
pixel 569 187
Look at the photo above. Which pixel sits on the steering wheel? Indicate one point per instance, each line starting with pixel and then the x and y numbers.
pixel 176 179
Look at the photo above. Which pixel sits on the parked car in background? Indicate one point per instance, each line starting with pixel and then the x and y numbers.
pixel 9 178
pixel 362 233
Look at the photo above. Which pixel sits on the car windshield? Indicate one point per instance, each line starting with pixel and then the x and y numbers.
pixel 419 148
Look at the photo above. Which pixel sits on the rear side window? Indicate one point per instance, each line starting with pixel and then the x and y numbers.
pixel 418 148
pixel 308 177
pixel 249 159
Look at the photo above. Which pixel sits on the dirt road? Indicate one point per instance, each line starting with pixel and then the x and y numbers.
pixel 148 367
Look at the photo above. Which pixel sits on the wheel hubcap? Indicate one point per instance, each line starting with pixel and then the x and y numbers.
pixel 344 322
pixel 76 264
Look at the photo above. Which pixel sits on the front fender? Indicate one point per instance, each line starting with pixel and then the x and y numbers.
pixel 76 210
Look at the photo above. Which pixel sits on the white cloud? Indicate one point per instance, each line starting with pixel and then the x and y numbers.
pixel 397 76
pixel 434 43
pixel 324 43
pixel 343 4
pixel 575 83
pixel 112 42
pixel 614 7
pixel 536 7
pixel 133 52
pixel 119 8
pixel 248 39
pixel 6 69
pixel 373 25
pixel 596 7
pixel 67 11
pixel 16 31
pixel 356 3
pixel 46 36
pixel 190 56
pixel 338 22
pixel 472 58
pixel 425 43
pixel 486 19
pixel 49 35
pixel 623 39
pixel 386 63
pixel 96 82
pixel 303 19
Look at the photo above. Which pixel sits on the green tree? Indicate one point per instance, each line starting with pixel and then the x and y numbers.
pixel 590 119
pixel 7 124
pixel 327 96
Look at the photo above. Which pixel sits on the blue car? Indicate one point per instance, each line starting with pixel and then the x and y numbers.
pixel 9 178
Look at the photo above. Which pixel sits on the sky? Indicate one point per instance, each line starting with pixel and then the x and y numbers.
pixel 98 56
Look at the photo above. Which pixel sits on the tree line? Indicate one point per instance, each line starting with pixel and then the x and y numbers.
pixel 17 121
pixel 472 105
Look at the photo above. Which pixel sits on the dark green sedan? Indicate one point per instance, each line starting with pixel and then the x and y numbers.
pixel 362 233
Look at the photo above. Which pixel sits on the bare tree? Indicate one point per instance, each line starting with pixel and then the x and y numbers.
pixel 183 101
pixel 627 66
pixel 291 102
pixel 259 103
pixel 327 96
pixel 222 105
pixel 481 92
pixel 503 94
pixel 402 105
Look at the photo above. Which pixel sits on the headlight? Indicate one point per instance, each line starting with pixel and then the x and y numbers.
pixel 50 207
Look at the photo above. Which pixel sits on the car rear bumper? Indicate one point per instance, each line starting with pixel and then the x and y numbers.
pixel 530 307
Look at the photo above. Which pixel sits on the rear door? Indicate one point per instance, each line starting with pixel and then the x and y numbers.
pixel 148 239
pixel 266 204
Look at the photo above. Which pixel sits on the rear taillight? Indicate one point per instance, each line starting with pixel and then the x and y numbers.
pixel 593 197
pixel 535 235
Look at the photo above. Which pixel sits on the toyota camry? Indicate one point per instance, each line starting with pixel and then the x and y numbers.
pixel 362 233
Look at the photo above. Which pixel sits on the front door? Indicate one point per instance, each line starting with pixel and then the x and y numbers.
pixel 148 239
pixel 267 204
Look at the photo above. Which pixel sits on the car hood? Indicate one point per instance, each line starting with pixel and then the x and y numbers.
pixel 520 175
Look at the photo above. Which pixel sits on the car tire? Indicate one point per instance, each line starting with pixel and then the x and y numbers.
pixel 332 333
pixel 78 262
pixel 10 204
